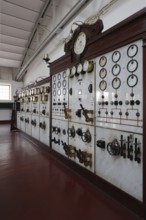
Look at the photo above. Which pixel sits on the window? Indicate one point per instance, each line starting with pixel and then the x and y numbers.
pixel 5 92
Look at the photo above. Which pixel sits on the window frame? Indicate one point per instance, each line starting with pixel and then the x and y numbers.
pixel 6 100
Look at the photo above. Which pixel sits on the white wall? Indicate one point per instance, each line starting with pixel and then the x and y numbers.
pixel 6 76
pixel 116 13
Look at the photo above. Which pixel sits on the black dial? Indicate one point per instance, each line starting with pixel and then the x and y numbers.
pixel 132 50
pixel 103 73
pixel 102 85
pixel 116 56
pixel 116 69
pixel 116 83
pixel 132 65
pixel 132 80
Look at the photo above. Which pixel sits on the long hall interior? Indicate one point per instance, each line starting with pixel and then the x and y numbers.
pixel 72 110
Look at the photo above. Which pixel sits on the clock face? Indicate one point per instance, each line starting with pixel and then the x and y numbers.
pixel 80 43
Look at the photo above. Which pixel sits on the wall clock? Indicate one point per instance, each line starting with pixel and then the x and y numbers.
pixel 80 43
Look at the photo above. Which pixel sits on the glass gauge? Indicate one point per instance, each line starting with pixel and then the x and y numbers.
pixel 73 71
pixel 102 61
pixel 54 78
pixel 64 83
pixel 103 73
pixel 54 85
pixel 132 50
pixel 116 56
pixel 88 66
pixel 54 93
pixel 116 69
pixel 132 65
pixel 59 84
pixel 79 68
pixel 67 72
pixel 59 92
pixel 64 91
pixel 102 85
pixel 116 83
pixel 59 76
pixel 132 80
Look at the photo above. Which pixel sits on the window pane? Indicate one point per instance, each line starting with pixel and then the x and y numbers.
pixel 4 92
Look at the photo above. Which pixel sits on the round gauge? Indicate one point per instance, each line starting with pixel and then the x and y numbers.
pixel 88 66
pixel 102 85
pixel 59 76
pixel 116 56
pixel 79 68
pixel 64 83
pixel 54 78
pixel 59 84
pixel 116 83
pixel 102 61
pixel 64 74
pixel 54 93
pixel 59 92
pixel 132 65
pixel 116 69
pixel 73 71
pixel 64 91
pixel 132 80
pixel 103 73
pixel 80 43
pixel 67 72
pixel 132 50
pixel 54 85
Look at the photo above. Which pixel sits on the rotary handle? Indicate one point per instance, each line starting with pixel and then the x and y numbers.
pixel 85 113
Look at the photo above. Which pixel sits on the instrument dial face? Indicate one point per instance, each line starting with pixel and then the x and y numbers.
pixel 67 72
pixel 80 43
pixel 85 65
pixel 79 68
pixel 102 85
pixel 64 83
pixel 116 69
pixel 132 80
pixel 54 78
pixel 54 85
pixel 64 74
pixel 73 71
pixel 103 73
pixel 102 61
pixel 54 93
pixel 116 83
pixel 132 50
pixel 59 92
pixel 59 84
pixel 132 65
pixel 59 76
pixel 116 56
pixel 64 91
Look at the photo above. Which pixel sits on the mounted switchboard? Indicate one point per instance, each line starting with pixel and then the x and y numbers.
pixel 97 107
pixel 119 117
pixel 34 115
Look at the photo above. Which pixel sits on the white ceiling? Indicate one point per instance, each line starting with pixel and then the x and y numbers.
pixel 17 21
